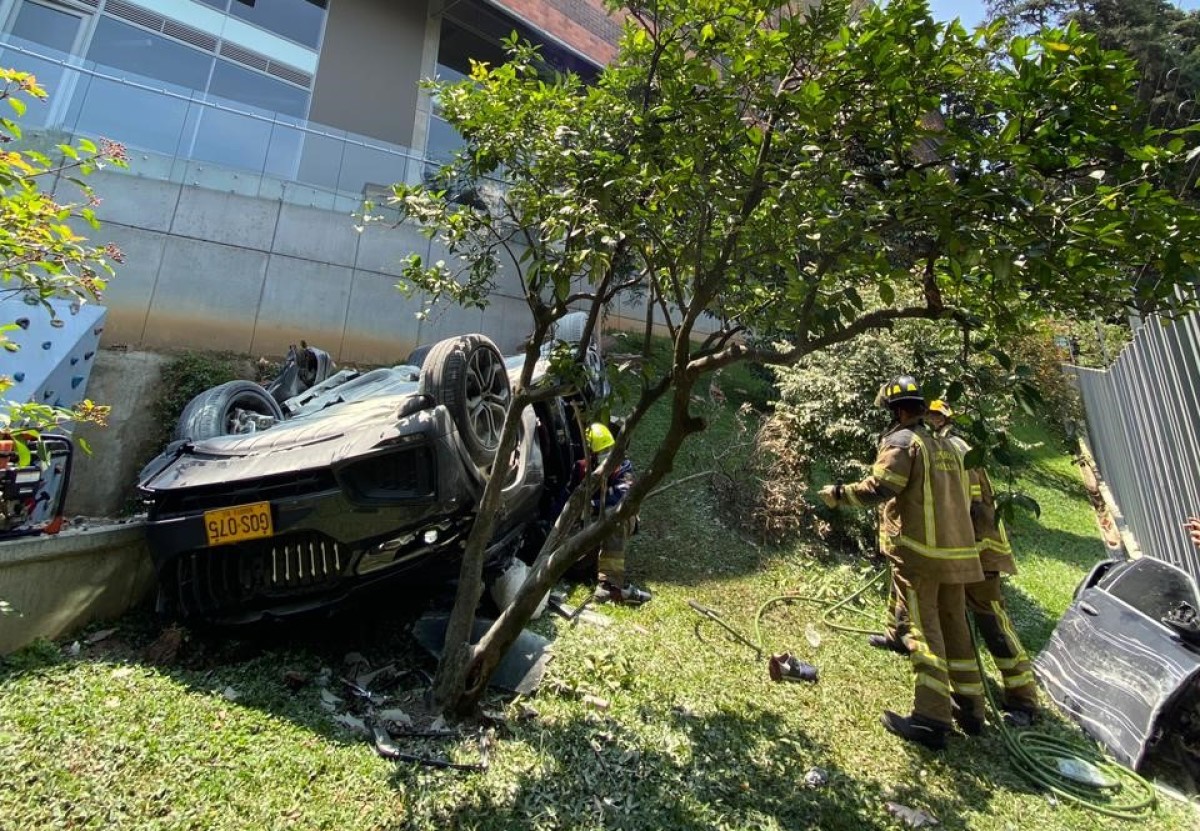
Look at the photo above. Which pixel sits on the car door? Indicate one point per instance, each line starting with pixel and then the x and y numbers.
pixel 1114 666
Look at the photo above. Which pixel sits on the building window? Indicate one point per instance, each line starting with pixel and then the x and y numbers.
pixel 144 53
pixel 298 20
pixel 48 26
pixel 474 31
pixel 457 47
pixel 249 87
pixel 151 56
pixel 50 31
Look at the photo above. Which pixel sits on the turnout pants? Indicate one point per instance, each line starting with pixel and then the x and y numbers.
pixel 612 555
pixel 943 660
pixel 986 602
pixel 897 626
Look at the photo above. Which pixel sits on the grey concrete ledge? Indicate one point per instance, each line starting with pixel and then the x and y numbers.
pixel 71 543
pixel 61 583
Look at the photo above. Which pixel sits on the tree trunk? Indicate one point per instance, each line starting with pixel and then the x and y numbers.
pixel 555 559
pixel 547 571
pixel 457 652
pixel 648 334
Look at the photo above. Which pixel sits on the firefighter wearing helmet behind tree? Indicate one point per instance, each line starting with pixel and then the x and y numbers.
pixel 613 587
pixel 985 599
pixel 925 529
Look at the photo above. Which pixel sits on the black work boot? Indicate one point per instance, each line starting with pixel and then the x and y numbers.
pixel 964 715
pixel 884 642
pixel 917 729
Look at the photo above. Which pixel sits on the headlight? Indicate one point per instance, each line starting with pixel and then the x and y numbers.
pixel 399 475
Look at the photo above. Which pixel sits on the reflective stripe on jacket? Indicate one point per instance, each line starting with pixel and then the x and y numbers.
pixel 995 552
pixel 925 520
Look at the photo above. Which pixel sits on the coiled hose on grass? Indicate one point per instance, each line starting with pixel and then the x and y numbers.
pixel 1068 769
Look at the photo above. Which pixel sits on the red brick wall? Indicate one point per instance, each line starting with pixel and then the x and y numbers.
pixel 583 25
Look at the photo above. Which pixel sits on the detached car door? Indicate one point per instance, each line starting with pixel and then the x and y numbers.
pixel 1115 666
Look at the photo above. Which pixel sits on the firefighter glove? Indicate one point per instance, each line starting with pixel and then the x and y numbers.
pixel 829 495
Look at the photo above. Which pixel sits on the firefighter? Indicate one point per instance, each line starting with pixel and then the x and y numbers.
pixel 895 635
pixel 985 599
pixel 925 529
pixel 613 587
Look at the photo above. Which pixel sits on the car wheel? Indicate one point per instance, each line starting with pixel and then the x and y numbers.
pixel 468 377
pixel 223 410
pixel 417 356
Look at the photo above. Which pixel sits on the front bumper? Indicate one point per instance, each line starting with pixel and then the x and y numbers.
pixel 336 529
pixel 307 564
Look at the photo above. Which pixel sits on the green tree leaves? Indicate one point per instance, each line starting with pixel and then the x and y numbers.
pixel 41 257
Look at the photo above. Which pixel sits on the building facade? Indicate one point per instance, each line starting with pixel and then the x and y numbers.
pixel 255 129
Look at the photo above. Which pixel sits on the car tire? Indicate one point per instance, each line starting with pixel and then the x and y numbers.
pixel 207 415
pixel 468 377
pixel 417 356
pixel 570 328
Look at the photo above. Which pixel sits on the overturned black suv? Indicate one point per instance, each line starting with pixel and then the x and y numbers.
pixel 285 499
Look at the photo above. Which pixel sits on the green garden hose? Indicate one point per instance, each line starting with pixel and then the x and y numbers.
pixel 1098 784
pixel 834 607
pixel 1068 769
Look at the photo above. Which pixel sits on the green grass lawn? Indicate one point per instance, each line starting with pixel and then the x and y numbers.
pixel 695 736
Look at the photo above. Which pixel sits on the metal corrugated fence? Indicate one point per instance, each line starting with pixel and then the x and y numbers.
pixel 1143 417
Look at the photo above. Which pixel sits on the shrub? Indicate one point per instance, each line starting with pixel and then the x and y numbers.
pixel 826 425
pixel 1042 352
pixel 185 377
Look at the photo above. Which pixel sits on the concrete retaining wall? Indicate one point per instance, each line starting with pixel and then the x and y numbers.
pixel 59 584
pixel 102 484
pixel 207 268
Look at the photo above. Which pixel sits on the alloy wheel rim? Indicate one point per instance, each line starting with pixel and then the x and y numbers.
pixel 487 397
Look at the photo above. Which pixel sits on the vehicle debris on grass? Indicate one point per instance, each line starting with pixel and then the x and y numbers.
pixel 912 817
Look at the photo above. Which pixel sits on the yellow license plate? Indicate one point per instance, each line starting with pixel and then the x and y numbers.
pixel 244 522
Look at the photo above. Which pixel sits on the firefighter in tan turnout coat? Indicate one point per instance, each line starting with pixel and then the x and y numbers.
pixel 985 599
pixel 925 529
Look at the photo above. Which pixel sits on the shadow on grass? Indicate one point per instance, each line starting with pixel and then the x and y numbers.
pixel 734 770
pixel 657 767
pixel 1033 623
pixel 1069 484
pixel 663 551
pixel 1031 539
pixel 270 666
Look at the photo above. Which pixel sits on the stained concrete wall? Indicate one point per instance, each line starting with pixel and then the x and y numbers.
pixel 61 583
pixel 102 484
pixel 210 268
pixel 206 269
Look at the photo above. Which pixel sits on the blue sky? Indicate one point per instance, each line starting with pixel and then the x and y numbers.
pixel 971 11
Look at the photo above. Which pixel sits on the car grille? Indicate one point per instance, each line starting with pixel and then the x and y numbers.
pixel 289 485
pixel 236 578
